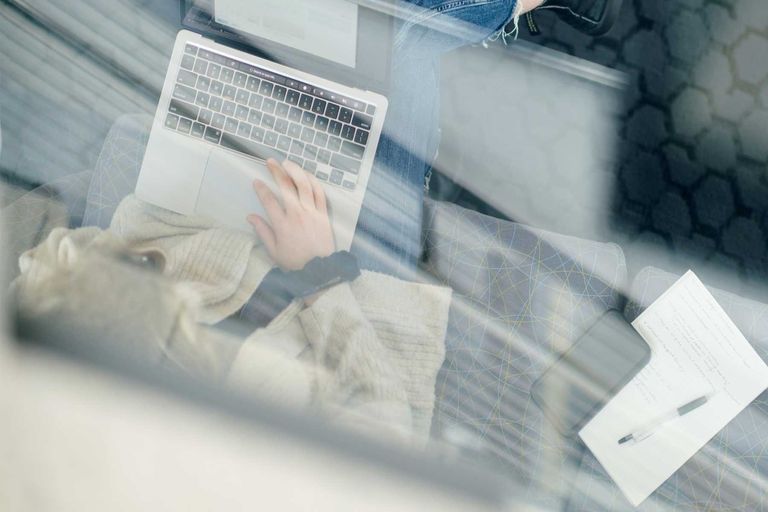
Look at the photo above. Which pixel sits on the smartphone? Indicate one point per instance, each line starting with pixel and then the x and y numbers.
pixel 590 373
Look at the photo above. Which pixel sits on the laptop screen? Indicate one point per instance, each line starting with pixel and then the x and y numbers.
pixel 335 39
pixel 326 28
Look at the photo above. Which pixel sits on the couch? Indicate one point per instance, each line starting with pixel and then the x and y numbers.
pixel 521 297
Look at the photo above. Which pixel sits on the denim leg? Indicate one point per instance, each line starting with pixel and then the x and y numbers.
pixel 388 236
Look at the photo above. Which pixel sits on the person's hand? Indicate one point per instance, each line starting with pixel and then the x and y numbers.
pixel 298 229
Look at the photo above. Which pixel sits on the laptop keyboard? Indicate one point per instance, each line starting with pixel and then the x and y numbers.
pixel 265 115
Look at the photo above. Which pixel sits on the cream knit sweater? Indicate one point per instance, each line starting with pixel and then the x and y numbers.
pixel 365 354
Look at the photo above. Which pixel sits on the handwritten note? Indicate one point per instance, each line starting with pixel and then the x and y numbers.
pixel 696 350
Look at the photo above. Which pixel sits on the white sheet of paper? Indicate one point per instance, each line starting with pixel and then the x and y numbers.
pixel 325 28
pixel 695 350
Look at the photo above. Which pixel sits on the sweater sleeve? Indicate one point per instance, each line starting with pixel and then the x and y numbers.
pixel 356 376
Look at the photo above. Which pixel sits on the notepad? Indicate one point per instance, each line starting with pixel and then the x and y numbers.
pixel 696 350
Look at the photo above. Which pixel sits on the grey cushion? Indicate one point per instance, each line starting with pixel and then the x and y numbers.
pixel 521 297
pixel 731 471
pixel 117 169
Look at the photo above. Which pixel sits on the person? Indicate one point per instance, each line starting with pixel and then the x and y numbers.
pixel 388 236
pixel 362 347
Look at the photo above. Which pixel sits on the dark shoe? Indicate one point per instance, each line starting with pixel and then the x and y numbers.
pixel 593 17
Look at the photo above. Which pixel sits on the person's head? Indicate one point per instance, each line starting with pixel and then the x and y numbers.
pixel 89 282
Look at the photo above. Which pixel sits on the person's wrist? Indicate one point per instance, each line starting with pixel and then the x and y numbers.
pixel 320 274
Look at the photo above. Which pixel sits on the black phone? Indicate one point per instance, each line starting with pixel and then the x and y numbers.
pixel 590 373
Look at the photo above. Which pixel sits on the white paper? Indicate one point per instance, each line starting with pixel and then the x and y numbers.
pixel 695 350
pixel 325 28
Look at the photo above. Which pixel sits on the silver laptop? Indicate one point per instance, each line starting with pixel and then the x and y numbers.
pixel 224 110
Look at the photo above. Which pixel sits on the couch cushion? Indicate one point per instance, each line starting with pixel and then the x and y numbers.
pixel 731 471
pixel 521 297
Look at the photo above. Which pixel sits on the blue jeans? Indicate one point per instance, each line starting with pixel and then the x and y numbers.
pixel 388 236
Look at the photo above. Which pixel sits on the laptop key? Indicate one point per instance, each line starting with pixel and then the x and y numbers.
pixel 200 66
pixel 332 110
pixel 268 121
pixel 308 135
pixel 214 70
pixel 253 84
pixel 244 130
pixel 282 110
pixel 227 75
pixel 297 160
pixel 284 143
pixel 322 123
pixel 352 149
pixel 242 96
pixel 308 119
pixel 310 167
pixel 203 83
pixel 187 78
pixel 269 105
pixel 318 107
pixel 281 126
pixel 349 184
pixel 345 116
pixel 292 97
pixel 198 130
pixel 171 121
pixel 348 132
pixel 242 112
pixel 230 92
pixel 322 176
pixel 216 104
pixel 310 152
pixel 206 116
pixel 212 135
pixel 334 144
pixel 218 121
pixel 184 93
pixel 185 125
pixel 324 156
pixel 370 110
pixel 257 134
pixel 202 99
pixel 362 121
pixel 361 137
pixel 334 128
pixel 251 148
pixel 231 125
pixel 217 88
pixel 188 62
pixel 241 79
pixel 190 49
pixel 265 88
pixel 295 114
pixel 297 148
pixel 345 163
pixel 228 109
pixel 279 93
pixel 183 109
pixel 294 130
pixel 336 176
pixel 270 139
pixel 305 102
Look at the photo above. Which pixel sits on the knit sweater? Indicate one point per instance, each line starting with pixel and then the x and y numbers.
pixel 365 354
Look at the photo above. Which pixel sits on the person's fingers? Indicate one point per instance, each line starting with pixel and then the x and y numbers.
pixel 265 233
pixel 269 201
pixel 301 182
pixel 284 182
pixel 319 193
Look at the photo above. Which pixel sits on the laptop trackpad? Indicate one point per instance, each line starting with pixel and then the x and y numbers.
pixel 226 193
